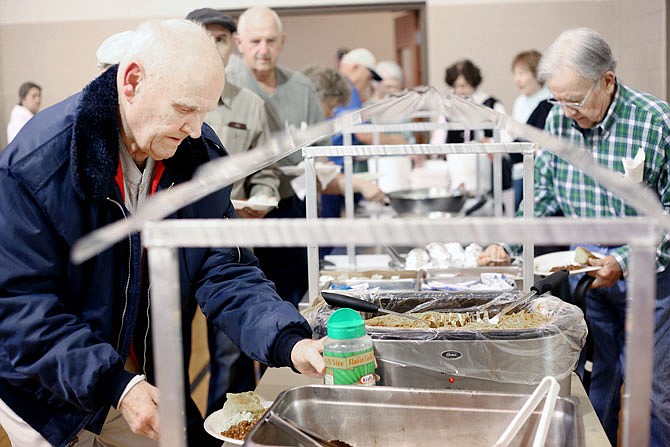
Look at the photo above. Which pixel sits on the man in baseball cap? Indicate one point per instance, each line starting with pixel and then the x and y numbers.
pixel 361 57
pixel 210 16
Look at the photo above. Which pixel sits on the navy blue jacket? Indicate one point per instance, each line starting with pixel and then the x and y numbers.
pixel 65 330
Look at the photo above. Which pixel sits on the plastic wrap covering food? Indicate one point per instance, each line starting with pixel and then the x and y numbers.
pixel 506 355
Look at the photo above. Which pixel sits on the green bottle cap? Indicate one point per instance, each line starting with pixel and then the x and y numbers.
pixel 345 323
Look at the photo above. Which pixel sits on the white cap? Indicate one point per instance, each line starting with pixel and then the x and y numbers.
pixel 111 49
pixel 362 56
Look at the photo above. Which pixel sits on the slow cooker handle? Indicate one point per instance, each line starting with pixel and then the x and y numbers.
pixel 342 300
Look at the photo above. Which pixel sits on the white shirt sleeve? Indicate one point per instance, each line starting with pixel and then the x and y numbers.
pixel 134 381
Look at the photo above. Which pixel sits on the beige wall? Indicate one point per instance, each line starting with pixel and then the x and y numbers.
pixel 59 53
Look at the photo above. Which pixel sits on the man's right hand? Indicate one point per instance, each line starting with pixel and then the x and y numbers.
pixel 140 410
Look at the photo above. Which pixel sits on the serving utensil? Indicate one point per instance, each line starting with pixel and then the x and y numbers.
pixel 339 299
pixel 540 287
pixel 548 389
pixel 300 433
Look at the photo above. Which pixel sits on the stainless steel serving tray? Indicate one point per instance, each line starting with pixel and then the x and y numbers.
pixel 409 417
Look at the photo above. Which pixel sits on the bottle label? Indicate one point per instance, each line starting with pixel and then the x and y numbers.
pixel 351 368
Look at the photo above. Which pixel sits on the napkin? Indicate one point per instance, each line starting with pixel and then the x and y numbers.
pixel 634 167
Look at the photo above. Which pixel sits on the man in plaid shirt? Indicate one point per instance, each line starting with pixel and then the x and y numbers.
pixel 593 109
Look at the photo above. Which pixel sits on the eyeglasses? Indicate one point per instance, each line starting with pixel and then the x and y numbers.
pixel 573 105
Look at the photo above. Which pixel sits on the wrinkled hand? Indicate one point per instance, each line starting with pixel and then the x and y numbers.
pixel 307 357
pixel 494 255
pixel 250 213
pixel 608 275
pixel 140 410
pixel 370 191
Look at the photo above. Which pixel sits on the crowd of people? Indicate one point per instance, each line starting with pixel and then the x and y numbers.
pixel 77 363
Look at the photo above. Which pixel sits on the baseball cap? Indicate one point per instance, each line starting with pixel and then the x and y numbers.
pixel 112 48
pixel 364 57
pixel 208 16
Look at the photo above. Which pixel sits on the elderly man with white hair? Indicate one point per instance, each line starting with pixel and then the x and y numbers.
pixel 76 364
pixel 622 128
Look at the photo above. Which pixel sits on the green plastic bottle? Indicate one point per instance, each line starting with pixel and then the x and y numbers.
pixel 348 351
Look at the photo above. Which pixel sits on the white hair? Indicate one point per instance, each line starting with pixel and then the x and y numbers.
pixel 162 46
pixel 254 13
pixel 582 49
pixel 389 70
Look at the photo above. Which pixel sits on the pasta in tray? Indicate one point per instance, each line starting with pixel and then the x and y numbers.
pixel 460 321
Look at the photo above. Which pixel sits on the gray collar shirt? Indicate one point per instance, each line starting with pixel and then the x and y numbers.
pixel 241 122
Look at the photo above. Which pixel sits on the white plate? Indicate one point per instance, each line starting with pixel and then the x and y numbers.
pixel 363 262
pixel 258 205
pixel 544 263
pixel 321 168
pixel 214 425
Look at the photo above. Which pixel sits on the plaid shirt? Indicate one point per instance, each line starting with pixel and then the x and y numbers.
pixel 634 121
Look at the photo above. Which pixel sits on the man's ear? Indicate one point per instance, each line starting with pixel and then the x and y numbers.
pixel 610 81
pixel 132 77
pixel 237 40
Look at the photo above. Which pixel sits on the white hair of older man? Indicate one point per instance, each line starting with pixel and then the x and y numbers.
pixel 162 46
pixel 252 14
pixel 582 49
pixel 389 70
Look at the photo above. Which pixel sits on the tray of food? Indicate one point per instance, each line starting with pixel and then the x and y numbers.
pixel 407 417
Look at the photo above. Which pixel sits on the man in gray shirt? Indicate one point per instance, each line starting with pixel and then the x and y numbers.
pixel 240 119
pixel 292 101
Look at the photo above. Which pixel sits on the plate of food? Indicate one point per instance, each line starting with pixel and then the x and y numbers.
pixel 575 261
pixel 238 416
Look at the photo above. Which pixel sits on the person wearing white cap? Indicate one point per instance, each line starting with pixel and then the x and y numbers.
pixel 358 66
pixel 112 48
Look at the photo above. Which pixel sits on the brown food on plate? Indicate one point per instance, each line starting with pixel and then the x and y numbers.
pixel 241 412
pixel 241 430
pixel 567 267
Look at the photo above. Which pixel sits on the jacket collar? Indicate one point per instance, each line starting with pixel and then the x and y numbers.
pixel 94 149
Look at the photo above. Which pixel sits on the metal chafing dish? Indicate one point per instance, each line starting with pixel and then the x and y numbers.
pixel 383 416
pixel 501 360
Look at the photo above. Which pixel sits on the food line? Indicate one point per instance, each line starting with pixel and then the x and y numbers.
pixel 639 233
pixel 163 238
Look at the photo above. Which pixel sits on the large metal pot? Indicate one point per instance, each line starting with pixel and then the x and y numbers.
pixel 426 200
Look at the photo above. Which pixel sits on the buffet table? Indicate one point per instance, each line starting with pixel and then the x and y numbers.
pixel 276 380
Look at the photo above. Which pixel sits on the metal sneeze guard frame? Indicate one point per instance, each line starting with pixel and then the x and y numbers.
pixel 163 238
pixel 348 151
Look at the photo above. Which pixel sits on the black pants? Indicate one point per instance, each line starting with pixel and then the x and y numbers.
pixel 286 266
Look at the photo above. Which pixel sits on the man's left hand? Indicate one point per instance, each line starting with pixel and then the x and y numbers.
pixel 307 357
pixel 608 275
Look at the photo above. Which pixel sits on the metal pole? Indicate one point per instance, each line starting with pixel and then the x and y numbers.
pixel 311 208
pixel 528 213
pixel 347 140
pixel 639 343
pixel 167 339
